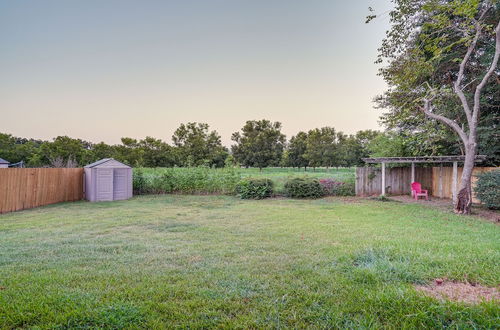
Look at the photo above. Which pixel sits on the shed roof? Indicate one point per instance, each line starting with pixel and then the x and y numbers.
pixel 3 161
pixel 107 162
pixel 422 159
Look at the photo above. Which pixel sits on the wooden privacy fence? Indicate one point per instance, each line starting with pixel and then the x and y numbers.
pixel 397 180
pixel 438 180
pixel 443 180
pixel 24 188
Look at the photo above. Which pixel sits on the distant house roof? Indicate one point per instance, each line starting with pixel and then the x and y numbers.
pixel 3 161
pixel 107 162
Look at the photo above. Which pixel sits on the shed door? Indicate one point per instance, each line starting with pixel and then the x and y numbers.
pixel 104 189
pixel 120 178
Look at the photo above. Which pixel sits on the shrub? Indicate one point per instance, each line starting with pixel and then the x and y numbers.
pixel 332 187
pixel 251 188
pixel 304 188
pixel 488 189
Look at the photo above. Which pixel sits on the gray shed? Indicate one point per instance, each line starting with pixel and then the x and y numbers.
pixel 4 163
pixel 108 180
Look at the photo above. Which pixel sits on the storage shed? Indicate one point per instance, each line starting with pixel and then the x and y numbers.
pixel 108 180
pixel 4 163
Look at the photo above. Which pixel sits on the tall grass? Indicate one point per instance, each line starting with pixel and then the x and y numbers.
pixel 192 180
pixel 203 180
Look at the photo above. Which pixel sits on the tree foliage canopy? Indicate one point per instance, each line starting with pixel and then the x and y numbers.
pixel 423 57
pixel 259 144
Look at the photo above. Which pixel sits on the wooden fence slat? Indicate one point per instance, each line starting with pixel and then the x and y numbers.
pixel 23 188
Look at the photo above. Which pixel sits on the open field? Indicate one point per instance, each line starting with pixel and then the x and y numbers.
pixel 224 180
pixel 202 261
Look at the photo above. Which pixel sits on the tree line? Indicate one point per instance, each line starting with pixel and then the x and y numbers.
pixel 259 143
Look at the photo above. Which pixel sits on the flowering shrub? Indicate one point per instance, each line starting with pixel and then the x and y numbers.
pixel 303 188
pixel 332 187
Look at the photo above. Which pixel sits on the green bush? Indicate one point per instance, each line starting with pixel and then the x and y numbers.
pixel 251 188
pixel 304 188
pixel 347 189
pixel 488 189
pixel 333 187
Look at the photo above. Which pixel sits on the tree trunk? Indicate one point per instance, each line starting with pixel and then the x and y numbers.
pixel 464 197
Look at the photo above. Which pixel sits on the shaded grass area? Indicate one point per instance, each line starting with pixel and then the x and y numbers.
pixel 217 261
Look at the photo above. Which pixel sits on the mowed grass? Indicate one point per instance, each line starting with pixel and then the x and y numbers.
pixel 172 261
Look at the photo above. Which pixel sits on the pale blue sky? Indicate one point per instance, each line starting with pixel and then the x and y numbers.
pixel 101 69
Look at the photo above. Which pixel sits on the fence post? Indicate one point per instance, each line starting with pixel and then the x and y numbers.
pixel 412 176
pixel 383 178
pixel 454 183
pixel 440 187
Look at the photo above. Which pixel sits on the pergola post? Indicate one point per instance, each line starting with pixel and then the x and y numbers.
pixel 412 175
pixel 454 183
pixel 441 180
pixel 383 178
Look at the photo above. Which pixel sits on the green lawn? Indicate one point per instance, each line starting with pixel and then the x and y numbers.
pixel 205 261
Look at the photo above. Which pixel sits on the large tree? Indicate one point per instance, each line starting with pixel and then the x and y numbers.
pixel 321 147
pixel 259 144
pixel 296 151
pixel 197 145
pixel 66 151
pixel 157 153
pixel 440 57
pixel 129 152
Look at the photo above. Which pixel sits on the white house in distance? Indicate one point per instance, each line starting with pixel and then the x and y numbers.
pixel 4 163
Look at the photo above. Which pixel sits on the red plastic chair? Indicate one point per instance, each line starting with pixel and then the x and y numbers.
pixel 417 191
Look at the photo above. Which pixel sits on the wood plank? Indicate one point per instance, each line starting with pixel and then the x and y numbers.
pixel 23 188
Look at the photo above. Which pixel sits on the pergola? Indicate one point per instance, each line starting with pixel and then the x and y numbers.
pixel 423 159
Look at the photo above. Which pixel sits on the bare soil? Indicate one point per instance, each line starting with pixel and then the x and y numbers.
pixel 446 204
pixel 459 291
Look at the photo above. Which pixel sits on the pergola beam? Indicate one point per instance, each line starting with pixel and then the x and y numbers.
pixel 422 159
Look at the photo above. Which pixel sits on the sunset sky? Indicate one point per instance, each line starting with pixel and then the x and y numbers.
pixel 102 69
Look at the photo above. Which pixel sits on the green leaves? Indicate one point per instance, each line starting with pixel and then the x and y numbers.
pixel 487 189
pixel 424 47
pixel 260 144
pixel 252 188
pixel 304 188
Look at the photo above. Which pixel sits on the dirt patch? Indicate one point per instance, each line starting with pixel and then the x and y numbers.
pixel 446 204
pixel 458 291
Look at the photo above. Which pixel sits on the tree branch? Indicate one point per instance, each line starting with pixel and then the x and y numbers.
pixel 491 70
pixel 460 77
pixel 427 109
